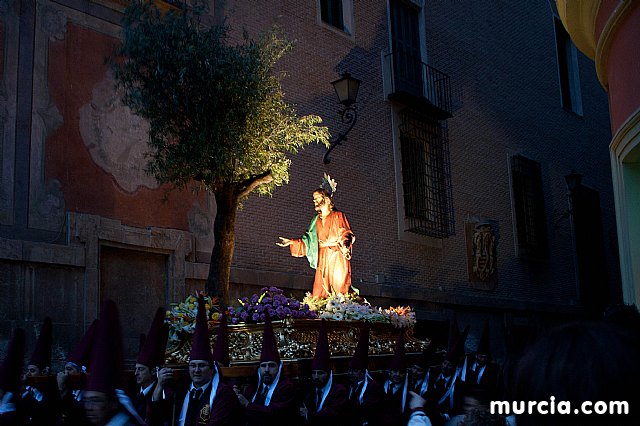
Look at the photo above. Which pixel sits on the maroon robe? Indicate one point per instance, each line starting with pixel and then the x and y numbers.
pixel 441 407
pixel 226 409
pixel 332 411
pixel 369 411
pixel 393 410
pixel 282 408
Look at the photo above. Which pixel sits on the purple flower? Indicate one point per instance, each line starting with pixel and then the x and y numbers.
pixel 256 317
pixel 254 299
pixel 260 308
pixel 244 316
pixel 234 320
pixel 266 300
pixel 287 311
pixel 262 317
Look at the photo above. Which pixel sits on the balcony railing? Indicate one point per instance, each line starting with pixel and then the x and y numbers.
pixel 417 84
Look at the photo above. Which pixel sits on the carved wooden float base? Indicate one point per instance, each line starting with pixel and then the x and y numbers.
pixel 297 340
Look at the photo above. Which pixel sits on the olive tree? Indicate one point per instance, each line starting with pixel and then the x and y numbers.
pixel 216 112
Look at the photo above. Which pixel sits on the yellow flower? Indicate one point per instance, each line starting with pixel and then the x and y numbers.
pixel 215 316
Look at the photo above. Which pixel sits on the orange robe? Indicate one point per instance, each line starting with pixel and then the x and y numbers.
pixel 335 242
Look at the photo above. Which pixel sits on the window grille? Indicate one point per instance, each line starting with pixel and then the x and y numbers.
pixel 528 202
pixel 426 176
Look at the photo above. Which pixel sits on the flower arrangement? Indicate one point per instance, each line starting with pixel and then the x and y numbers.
pixel 182 317
pixel 401 316
pixel 271 301
pixel 349 307
pixel 352 307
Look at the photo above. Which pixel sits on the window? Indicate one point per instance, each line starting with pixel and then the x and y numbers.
pixel 528 206
pixel 337 13
pixel 405 47
pixel 570 94
pixel 426 176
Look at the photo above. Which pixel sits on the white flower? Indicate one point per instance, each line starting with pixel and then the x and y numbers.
pixel 338 316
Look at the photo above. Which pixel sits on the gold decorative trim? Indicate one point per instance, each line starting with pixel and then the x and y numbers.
pixel 297 340
pixel 603 48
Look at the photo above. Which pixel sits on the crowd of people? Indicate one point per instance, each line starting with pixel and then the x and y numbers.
pixel 574 362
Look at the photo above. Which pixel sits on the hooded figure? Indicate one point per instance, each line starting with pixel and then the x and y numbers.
pixel 40 399
pixel 10 380
pixel 454 331
pixel 103 399
pixel 272 401
pixel 207 400
pixel 73 380
pixel 326 400
pixel 80 356
pixel 364 394
pixel 150 359
pixel 445 398
pixel 397 385
pixel 479 373
pixel 221 348
pixel 421 370
pixel 41 356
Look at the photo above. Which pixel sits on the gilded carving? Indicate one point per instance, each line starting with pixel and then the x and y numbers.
pixel 297 340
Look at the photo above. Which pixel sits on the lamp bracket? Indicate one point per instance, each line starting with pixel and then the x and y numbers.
pixel 349 116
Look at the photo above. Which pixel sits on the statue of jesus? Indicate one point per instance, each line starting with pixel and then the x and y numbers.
pixel 327 244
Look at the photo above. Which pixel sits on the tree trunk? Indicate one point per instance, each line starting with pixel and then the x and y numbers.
pixel 222 253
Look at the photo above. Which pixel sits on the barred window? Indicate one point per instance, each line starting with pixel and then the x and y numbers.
pixel 426 176
pixel 528 204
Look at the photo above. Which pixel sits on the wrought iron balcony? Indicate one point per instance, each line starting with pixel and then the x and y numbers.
pixel 416 84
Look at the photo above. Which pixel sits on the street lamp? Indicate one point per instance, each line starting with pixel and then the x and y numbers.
pixel 346 88
pixel 574 180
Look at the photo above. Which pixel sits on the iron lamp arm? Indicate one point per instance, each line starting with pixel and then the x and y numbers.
pixel 349 116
